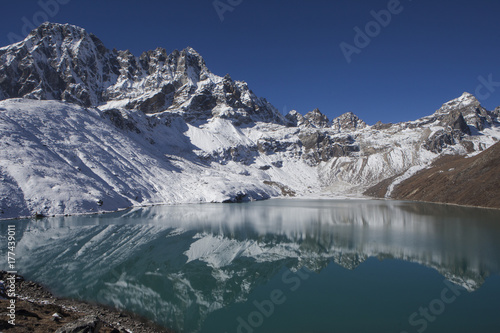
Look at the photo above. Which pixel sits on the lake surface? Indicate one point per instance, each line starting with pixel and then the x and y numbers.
pixel 295 266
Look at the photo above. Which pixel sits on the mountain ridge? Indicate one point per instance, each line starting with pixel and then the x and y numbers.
pixel 88 129
pixel 74 66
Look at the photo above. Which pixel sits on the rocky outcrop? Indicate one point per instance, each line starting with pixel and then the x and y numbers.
pixel 319 146
pixel 381 126
pixel 455 121
pixel 496 114
pixel 442 139
pixel 295 119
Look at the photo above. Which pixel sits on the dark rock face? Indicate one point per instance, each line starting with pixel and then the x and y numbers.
pixel 319 146
pixel 241 154
pixel 237 198
pixel 270 146
pixel 119 121
pixel 442 139
pixel 381 126
pixel 468 106
pixel 295 119
pixel 496 114
pixel 456 121
pixel 317 119
pixel 64 62
pixel 347 122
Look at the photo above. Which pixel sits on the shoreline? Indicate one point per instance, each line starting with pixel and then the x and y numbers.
pixel 303 197
pixel 38 310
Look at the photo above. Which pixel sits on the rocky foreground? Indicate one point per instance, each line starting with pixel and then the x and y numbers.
pixel 37 310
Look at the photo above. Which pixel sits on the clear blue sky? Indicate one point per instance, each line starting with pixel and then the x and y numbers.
pixel 288 51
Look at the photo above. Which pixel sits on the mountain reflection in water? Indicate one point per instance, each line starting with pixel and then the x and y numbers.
pixel 178 264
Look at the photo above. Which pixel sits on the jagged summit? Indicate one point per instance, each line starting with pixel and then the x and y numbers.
pixel 296 119
pixel 65 62
pixel 54 30
pixel 347 122
pixel 468 107
pixel 317 119
pixel 465 100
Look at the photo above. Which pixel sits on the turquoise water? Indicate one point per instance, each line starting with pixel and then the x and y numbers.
pixel 277 265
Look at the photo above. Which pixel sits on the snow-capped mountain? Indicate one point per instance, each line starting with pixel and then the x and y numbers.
pixel 64 62
pixel 86 129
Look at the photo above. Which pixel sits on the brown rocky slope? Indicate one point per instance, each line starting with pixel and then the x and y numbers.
pixel 473 181
pixel 38 311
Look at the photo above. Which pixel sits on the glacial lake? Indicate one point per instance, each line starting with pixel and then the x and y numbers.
pixel 294 266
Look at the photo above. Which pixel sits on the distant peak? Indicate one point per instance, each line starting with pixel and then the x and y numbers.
pixel 465 100
pixel 189 49
pixel 193 56
pixel 348 115
pixel 466 97
pixel 50 28
pixel 318 119
pixel 347 122
pixel 296 119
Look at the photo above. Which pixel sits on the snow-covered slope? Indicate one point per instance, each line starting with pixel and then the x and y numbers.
pixel 86 129
pixel 58 158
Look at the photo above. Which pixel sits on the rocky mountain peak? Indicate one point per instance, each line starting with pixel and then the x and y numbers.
pixel 64 62
pixel 317 119
pixel 496 113
pixel 347 122
pixel 54 30
pixel 469 108
pixel 466 100
pixel 56 61
pixel 295 119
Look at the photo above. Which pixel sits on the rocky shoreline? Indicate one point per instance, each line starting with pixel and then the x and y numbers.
pixel 37 310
